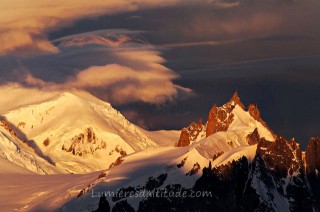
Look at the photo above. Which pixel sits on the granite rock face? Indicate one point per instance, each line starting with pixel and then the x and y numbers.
pixel 190 133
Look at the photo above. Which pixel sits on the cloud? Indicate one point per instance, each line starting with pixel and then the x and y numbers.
pixel 201 43
pixel 243 21
pixel 25 24
pixel 133 69
pixel 122 84
pixel 133 115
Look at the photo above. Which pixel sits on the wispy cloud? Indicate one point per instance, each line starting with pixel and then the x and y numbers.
pixel 134 73
pixel 200 43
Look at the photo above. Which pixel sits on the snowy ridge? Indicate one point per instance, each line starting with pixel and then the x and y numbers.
pixel 244 122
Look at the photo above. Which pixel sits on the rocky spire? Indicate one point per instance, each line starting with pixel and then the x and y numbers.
pixel 235 100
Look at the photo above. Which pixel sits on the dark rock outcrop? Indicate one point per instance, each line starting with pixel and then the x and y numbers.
pixel 253 138
pixel 122 206
pixel 182 162
pixel 103 205
pixel 217 155
pixel 313 156
pixel 78 145
pixel 195 169
pixel 312 159
pixel 46 142
pixel 116 163
pixel 7 126
pixel 281 156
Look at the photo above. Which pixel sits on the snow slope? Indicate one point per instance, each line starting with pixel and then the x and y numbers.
pixel 30 192
pixel 7 167
pixel 245 123
pixel 164 137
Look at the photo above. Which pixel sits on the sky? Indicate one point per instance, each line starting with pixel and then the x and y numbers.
pixel 163 64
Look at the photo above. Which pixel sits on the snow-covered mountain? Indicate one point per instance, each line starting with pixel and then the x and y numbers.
pixel 73 131
pixel 234 156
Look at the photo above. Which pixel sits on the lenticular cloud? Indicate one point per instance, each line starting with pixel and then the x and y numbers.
pixel 133 69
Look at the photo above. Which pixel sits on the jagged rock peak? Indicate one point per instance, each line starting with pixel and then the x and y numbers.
pixel 220 118
pixel 235 100
pixel 190 133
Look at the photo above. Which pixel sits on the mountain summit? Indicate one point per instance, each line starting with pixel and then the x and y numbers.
pixel 74 131
pixel 228 117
